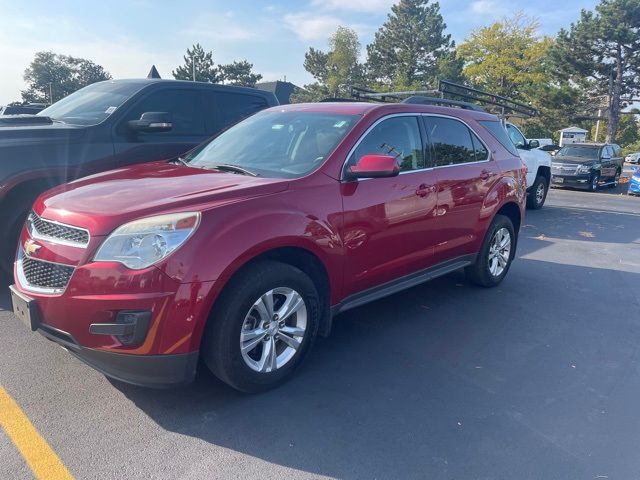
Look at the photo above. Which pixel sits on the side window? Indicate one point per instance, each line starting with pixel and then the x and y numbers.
pixel 451 141
pixel 183 106
pixel 607 151
pixel 616 150
pixel 398 137
pixel 480 150
pixel 516 137
pixel 227 108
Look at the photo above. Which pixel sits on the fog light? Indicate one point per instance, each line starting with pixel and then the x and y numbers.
pixel 130 328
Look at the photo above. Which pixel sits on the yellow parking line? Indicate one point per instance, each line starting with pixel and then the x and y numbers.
pixel 43 461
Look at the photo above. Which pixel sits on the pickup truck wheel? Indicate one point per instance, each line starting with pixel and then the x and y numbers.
pixel 538 193
pixel 496 254
pixel 595 179
pixel 262 326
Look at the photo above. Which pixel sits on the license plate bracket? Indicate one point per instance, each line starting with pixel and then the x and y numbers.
pixel 25 308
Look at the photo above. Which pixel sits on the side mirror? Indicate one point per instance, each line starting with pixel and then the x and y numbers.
pixel 152 122
pixel 534 144
pixel 374 166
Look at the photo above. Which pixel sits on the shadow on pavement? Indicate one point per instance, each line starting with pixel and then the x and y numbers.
pixel 446 380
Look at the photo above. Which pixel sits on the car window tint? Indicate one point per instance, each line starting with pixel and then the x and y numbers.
pixel 183 107
pixel 398 137
pixel 229 108
pixel 480 150
pixel 516 137
pixel 450 140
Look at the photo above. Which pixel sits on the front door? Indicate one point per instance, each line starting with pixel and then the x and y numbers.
pixel 389 222
pixel 465 174
pixel 184 107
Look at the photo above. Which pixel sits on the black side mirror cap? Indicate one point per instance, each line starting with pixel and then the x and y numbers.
pixel 152 122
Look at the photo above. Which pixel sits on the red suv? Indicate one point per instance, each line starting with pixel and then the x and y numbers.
pixel 242 251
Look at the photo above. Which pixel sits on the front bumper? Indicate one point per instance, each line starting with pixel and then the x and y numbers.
pixel 574 181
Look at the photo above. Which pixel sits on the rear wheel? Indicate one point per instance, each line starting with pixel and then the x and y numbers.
pixel 496 254
pixel 538 194
pixel 262 327
pixel 616 180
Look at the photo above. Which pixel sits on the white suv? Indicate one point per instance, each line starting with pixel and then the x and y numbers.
pixel 538 164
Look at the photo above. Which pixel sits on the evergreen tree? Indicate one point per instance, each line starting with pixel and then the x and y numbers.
pixel 205 68
pixel 411 46
pixel 601 54
pixel 240 74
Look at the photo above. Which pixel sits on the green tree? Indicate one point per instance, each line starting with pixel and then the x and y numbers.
pixel 411 49
pixel 334 71
pixel 51 76
pixel 601 54
pixel 628 131
pixel 205 68
pixel 240 74
pixel 507 57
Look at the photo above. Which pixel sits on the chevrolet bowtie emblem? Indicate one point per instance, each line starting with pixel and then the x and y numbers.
pixel 30 247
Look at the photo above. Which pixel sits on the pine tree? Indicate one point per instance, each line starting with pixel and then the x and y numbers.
pixel 601 54
pixel 205 68
pixel 411 46
pixel 240 74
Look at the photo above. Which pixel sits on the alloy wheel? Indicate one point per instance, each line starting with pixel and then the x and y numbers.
pixel 273 330
pixel 499 252
pixel 540 194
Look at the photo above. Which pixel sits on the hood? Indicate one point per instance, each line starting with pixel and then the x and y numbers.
pixel 31 129
pixel 576 160
pixel 104 201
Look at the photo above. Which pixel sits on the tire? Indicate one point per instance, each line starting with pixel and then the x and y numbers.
pixel 9 241
pixel 593 186
pixel 538 194
pixel 481 272
pixel 240 308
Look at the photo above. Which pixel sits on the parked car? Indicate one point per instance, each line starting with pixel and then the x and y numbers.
pixel 28 109
pixel 634 183
pixel 587 165
pixel 104 126
pixel 538 163
pixel 242 251
pixel 633 158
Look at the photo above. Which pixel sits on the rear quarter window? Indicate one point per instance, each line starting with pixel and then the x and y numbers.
pixel 228 108
pixel 497 130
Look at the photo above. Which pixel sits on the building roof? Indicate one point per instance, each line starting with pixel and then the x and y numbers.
pixel 574 130
pixel 282 90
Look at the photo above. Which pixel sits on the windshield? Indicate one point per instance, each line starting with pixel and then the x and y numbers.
pixel 91 105
pixel 578 151
pixel 286 144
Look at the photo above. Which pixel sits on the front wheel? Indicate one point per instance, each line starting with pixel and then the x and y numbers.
pixel 595 181
pixel 262 326
pixel 496 254
pixel 538 194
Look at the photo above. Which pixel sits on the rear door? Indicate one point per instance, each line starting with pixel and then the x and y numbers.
pixel 608 166
pixel 187 116
pixel 226 108
pixel 465 173
pixel 389 223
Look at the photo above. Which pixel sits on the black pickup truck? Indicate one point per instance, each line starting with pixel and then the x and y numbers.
pixel 105 126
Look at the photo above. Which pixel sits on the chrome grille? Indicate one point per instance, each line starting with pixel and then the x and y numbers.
pixel 563 168
pixel 46 275
pixel 56 232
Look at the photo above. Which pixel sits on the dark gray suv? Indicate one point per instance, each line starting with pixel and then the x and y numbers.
pixel 587 165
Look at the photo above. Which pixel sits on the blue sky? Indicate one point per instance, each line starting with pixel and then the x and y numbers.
pixel 126 37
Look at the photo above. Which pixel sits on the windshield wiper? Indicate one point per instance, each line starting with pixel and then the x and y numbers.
pixel 225 167
pixel 181 160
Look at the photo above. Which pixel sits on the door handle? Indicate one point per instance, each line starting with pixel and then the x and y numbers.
pixel 484 174
pixel 424 190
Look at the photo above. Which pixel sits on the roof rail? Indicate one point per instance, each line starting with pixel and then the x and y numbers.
pixel 445 87
pixel 416 97
pixel 420 100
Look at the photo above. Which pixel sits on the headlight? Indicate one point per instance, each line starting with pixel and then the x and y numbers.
pixel 143 242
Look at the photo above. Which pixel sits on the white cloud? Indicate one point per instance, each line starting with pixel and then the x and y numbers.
pixel 310 26
pixel 488 7
pixel 370 6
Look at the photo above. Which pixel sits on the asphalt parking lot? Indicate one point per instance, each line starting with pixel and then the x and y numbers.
pixel 536 379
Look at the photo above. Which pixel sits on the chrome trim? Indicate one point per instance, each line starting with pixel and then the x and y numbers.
pixel 413 114
pixel 24 283
pixel 55 240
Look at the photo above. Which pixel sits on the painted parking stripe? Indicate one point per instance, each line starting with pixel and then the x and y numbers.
pixel 43 461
